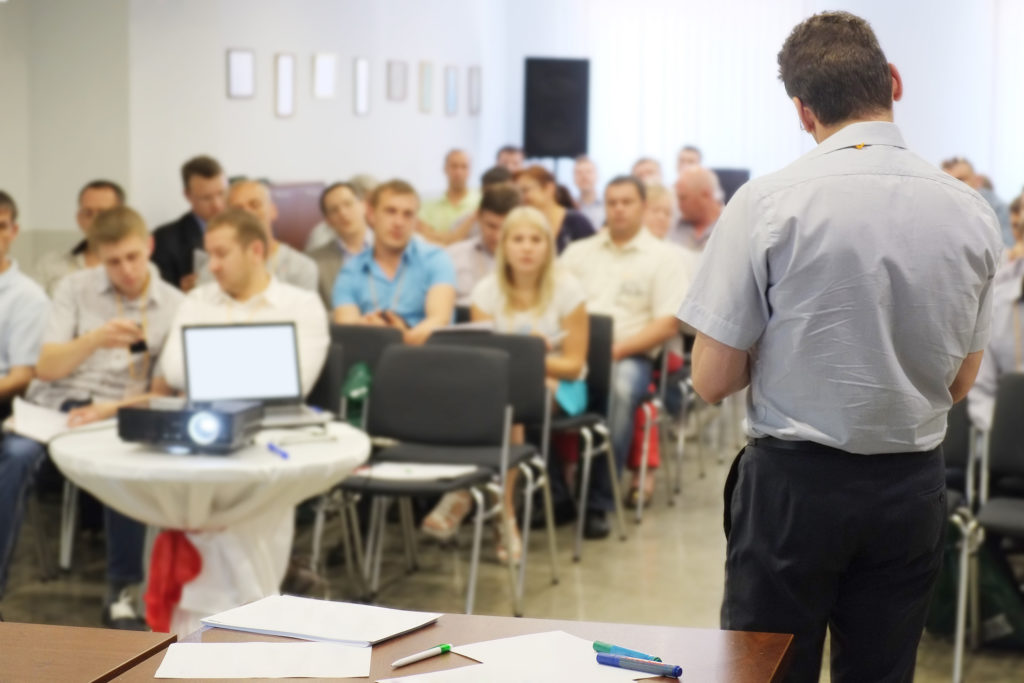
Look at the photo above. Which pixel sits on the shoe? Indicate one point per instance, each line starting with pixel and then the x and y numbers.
pixel 443 521
pixel 121 614
pixel 507 548
pixel 299 579
pixel 595 525
pixel 564 512
pixel 632 500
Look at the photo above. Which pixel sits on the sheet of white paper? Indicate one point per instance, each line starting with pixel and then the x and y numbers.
pixel 37 422
pixel 399 471
pixel 341 622
pixel 555 655
pixel 264 660
pixel 492 673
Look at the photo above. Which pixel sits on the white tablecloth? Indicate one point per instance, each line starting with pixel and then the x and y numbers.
pixel 238 509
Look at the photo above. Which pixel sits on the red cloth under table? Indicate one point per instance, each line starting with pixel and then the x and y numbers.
pixel 174 562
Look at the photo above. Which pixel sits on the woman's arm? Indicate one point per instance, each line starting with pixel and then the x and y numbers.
pixel 569 363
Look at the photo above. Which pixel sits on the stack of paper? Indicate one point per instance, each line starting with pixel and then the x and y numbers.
pixel 264 660
pixel 310 619
pixel 400 471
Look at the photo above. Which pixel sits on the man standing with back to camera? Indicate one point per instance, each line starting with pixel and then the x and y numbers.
pixel 850 290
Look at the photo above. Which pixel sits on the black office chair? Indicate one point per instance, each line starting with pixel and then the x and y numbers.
pixel 441 405
pixel 362 344
pixel 592 425
pixel 531 407
pixel 462 314
pixel 326 393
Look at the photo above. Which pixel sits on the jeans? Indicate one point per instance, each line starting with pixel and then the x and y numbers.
pixel 19 461
pixel 630 380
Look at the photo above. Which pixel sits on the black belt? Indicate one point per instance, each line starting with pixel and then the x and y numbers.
pixel 786 445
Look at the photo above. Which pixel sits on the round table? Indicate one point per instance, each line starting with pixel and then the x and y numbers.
pixel 237 510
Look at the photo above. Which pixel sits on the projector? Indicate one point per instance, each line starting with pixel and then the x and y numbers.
pixel 217 428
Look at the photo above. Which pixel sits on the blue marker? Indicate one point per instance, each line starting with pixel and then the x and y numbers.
pixel 644 665
pixel 277 450
pixel 608 648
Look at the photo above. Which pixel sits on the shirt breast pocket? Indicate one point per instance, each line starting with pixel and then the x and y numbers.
pixel 631 293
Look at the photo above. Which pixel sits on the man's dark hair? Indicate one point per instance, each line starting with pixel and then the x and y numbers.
pixel 104 185
pixel 629 180
pixel 495 175
pixel 202 166
pixel 351 187
pixel 834 64
pixel 504 149
pixel 500 199
pixel 7 202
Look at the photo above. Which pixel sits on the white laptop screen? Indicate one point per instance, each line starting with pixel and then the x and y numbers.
pixel 253 362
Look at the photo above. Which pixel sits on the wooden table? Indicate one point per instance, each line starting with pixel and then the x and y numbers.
pixel 705 654
pixel 37 652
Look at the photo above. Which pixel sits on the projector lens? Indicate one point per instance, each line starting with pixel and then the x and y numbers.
pixel 204 428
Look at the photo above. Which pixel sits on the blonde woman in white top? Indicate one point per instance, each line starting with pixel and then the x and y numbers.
pixel 527 294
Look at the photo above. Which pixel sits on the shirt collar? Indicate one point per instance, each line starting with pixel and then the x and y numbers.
pixel 410 253
pixel 605 236
pixel 10 275
pixel 862 134
pixel 154 293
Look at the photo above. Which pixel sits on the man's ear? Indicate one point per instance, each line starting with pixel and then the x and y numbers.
pixel 808 121
pixel 897 83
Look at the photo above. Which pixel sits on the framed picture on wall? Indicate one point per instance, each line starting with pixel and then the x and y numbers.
pixel 426 86
pixel 473 90
pixel 284 84
pixel 241 74
pixel 397 81
pixel 451 90
pixel 325 75
pixel 361 87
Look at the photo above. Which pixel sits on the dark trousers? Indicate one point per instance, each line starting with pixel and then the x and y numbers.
pixel 821 538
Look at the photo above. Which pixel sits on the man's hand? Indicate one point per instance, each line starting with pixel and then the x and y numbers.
pixel 117 333
pixel 375 318
pixel 392 319
pixel 91 413
pixel 188 282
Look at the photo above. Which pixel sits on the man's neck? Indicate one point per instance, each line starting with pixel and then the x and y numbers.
pixel 132 296
pixel 91 257
pixel 587 197
pixel 258 283
pixel 387 258
pixel 5 264
pixel 623 237
pixel 456 194
pixel 822 132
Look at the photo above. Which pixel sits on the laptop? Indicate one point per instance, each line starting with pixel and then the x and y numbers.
pixel 248 362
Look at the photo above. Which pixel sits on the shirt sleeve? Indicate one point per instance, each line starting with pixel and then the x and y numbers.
pixel 171 365
pixel 314 338
pixel 26 331
pixel 568 294
pixel 440 270
pixel 727 299
pixel 62 322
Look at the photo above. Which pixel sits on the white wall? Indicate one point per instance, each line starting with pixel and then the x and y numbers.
pixel 14 130
pixel 179 107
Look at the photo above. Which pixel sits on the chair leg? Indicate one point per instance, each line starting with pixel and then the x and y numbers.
pixel 46 569
pixel 354 553
pixel 586 457
pixel 474 558
pixel 549 522
pixel 408 533
pixel 529 487
pixel 613 474
pixel 316 546
pixel 975 591
pixel 645 454
pixel 961 598
pixel 68 524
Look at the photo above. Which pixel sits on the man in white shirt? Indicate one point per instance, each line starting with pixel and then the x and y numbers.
pixel 245 292
pixel 627 273
pixel 700 204
pixel 584 176
pixel 474 258
pixel 283 262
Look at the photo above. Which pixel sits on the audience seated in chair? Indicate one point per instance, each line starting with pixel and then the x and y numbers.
pixel 660 210
pixel 526 294
pixel 282 261
pixel 511 157
pixel 439 217
pixel 540 190
pixel 647 170
pixel 344 211
pixel 245 292
pixel 689 156
pixel 106 327
pixel 474 258
pixel 23 308
pixel 627 274
pixel 584 176
pixel 175 244
pixel 700 204
pixel 468 225
pixel 403 282
pixel 94 198
pixel 962 169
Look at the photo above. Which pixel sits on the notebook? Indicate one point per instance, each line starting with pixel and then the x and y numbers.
pixel 248 362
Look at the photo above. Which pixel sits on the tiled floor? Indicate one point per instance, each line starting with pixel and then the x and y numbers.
pixel 669 571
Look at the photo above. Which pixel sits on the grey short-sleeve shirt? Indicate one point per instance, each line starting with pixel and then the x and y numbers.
pixel 858 278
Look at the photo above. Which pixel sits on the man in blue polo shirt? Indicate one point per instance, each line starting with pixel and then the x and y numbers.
pixel 403 282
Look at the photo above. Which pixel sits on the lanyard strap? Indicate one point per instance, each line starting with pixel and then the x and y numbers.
pixel 143 311
pixel 399 277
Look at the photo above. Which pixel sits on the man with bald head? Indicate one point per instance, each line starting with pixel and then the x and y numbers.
pixel 439 216
pixel 700 203
pixel 283 262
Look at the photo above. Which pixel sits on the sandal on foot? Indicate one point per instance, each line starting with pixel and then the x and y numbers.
pixel 633 499
pixel 508 548
pixel 443 521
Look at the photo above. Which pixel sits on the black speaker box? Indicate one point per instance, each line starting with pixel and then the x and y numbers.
pixel 557 102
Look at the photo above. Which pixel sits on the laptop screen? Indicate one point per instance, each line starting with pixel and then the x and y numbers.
pixel 250 362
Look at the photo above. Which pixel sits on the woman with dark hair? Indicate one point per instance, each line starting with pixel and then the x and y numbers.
pixel 540 190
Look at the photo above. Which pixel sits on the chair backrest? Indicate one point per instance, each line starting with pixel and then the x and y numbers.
pixel 326 392
pixel 956 447
pixel 363 343
pixel 526 355
pixel 599 364
pixel 441 395
pixel 1005 447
